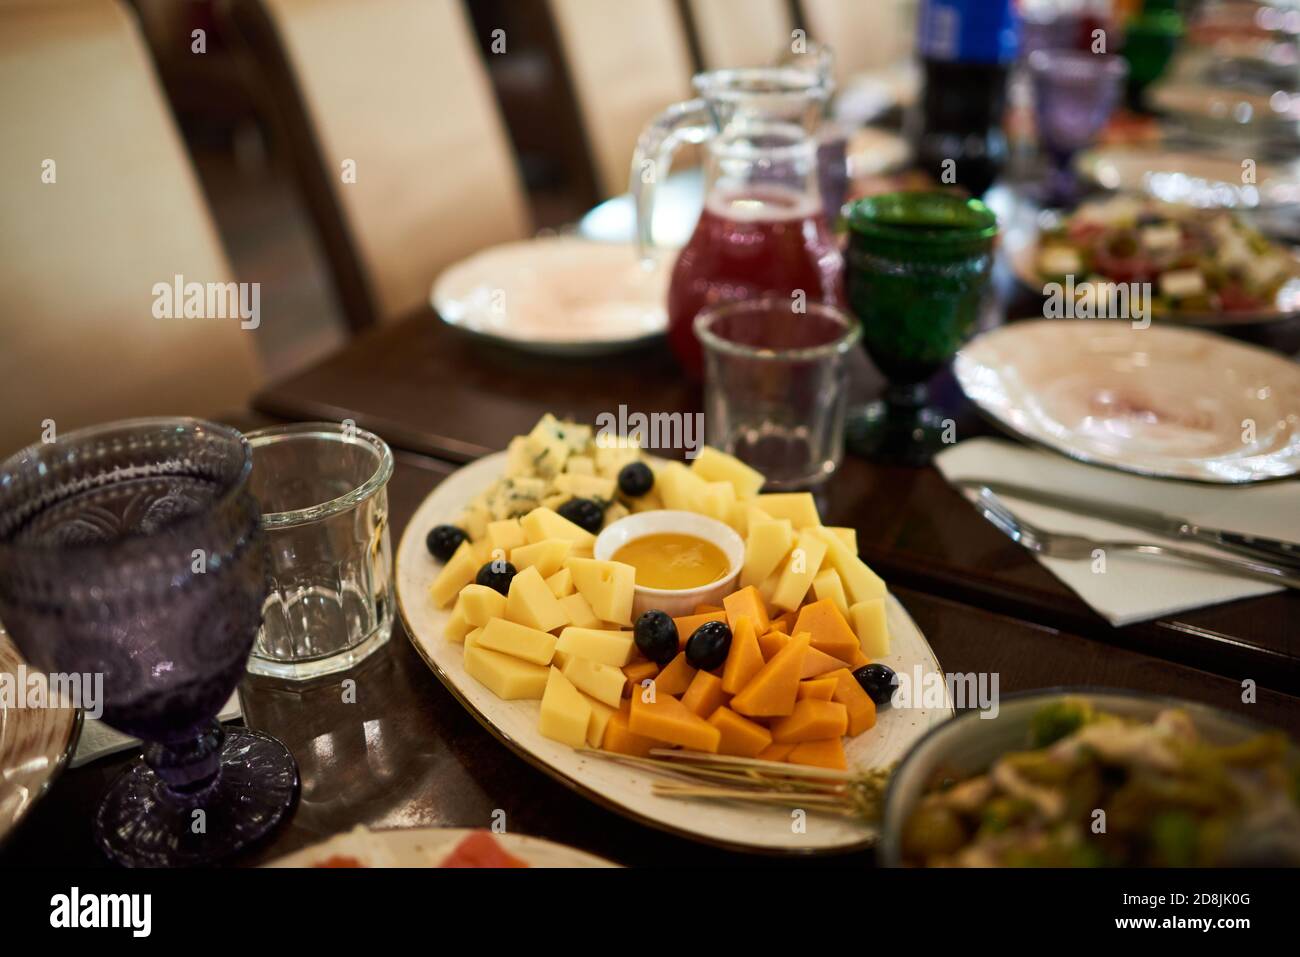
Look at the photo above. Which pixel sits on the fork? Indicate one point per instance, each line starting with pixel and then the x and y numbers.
pixel 1079 548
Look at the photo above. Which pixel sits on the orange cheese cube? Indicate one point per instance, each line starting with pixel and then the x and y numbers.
pixel 830 632
pixel 771 643
pixel 636 673
pixel 811 720
pixel 667 719
pixel 772 692
pixel 706 609
pixel 744 659
pixel 676 676
pixel 823 689
pixel 740 736
pixel 775 752
pixel 827 753
pixel 859 660
pixel 620 739
pixel 705 695
pixel 746 603
pixel 819 663
pixel 861 709
pixel 785 622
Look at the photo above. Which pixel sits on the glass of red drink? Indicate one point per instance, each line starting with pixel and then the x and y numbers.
pixel 776 386
pixel 763 231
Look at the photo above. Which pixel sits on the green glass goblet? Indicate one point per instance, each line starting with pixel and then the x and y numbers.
pixel 918 268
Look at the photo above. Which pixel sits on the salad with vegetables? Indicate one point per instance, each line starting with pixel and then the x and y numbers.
pixel 1197 261
pixel 1098 790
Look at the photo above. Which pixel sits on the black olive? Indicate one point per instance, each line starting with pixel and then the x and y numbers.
pixel 878 681
pixel 586 513
pixel 655 635
pixel 443 540
pixel 635 479
pixel 497 575
pixel 708 645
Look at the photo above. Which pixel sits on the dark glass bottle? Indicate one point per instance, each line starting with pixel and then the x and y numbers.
pixel 966 49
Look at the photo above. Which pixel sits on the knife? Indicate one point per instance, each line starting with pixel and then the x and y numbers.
pixel 1273 550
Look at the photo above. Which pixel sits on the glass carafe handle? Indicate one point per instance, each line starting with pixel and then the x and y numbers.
pixel 689 122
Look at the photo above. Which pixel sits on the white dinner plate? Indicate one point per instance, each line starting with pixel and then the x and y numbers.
pixel 1205 180
pixel 429 847
pixel 1160 401
pixel 606 781
pixel 559 295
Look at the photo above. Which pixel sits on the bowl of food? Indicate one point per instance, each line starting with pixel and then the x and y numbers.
pixel 682 559
pixel 1095 778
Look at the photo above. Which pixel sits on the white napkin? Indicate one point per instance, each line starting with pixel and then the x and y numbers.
pixel 1133 587
pixel 98 739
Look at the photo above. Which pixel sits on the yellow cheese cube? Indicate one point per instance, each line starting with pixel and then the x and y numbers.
pixel 827 584
pixel 718 500
pixel 680 488
pixel 603 682
pixel 799 507
pixel 800 569
pixel 531 603
pixel 870 625
pixel 481 604
pixel 505 676
pixel 849 536
pixel 561 583
pixel 565 715
pixel 608 647
pixel 579 612
pixel 457 625
pixel 715 466
pixel 600 715
pixel 455 575
pixel 511 638
pixel 506 535
pixel 860 582
pixel 546 556
pixel 543 523
pixel 766 546
pixel 607 586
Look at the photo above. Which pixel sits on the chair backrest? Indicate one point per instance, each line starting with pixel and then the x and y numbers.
pixel 626 63
pixel 396 137
pixel 733 33
pixel 100 205
pixel 865 34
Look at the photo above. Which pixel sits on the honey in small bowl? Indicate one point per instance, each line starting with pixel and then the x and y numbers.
pixel 672 561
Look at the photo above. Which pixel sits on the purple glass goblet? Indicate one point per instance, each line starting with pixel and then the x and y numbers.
pixel 1075 93
pixel 133 551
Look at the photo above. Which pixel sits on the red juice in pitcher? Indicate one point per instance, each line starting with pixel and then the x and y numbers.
pixel 760 239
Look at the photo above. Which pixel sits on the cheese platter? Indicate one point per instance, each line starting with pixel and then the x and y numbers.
pixel 526 581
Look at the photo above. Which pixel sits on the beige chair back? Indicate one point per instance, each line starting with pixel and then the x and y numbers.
pixel 733 33
pixel 397 135
pixel 99 204
pixel 865 34
pixel 626 63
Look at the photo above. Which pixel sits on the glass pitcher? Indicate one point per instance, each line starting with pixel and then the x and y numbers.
pixel 762 231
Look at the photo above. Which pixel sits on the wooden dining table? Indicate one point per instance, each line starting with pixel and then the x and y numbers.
pixel 404 753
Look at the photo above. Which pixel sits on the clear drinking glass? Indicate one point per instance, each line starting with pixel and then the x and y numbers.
pixel 776 385
pixel 322 488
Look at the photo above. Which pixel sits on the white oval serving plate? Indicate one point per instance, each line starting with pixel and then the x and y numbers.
pixel 559 295
pixel 429 847
pixel 617 786
pixel 1160 401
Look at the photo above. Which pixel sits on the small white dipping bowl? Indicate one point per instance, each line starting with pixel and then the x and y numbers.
pixel 675 601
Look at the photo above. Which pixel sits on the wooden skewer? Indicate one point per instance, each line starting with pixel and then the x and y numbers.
pixel 771 767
